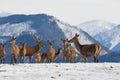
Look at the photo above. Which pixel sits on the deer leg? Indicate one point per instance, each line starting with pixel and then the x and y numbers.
pixel 15 59
pixel 86 59
pixel 73 59
pixel 30 59
pixel 67 59
pixel 81 58
pixel 95 59
pixel 22 59
pixel 11 59
pixel 3 60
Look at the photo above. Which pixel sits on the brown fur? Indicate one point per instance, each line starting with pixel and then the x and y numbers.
pixel 51 51
pixel 23 52
pixel 15 50
pixel 71 54
pixel 37 57
pixel 89 50
pixel 43 57
pixel 30 50
pixel 2 52
pixel 65 48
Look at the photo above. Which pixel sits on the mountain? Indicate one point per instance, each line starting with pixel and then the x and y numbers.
pixel 95 27
pixel 4 14
pixel 48 27
pixel 110 38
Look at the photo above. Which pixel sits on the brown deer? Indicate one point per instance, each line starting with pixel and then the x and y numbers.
pixel 23 52
pixel 38 57
pixel 89 50
pixel 44 57
pixel 58 54
pixel 65 48
pixel 51 51
pixel 2 52
pixel 71 54
pixel 30 50
pixel 15 50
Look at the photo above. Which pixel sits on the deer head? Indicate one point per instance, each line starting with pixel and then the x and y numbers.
pixel 74 38
pixel 13 40
pixel 50 42
pixel 64 41
pixel 39 42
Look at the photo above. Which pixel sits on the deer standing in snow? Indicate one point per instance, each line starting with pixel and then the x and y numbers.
pixel 15 50
pixel 23 52
pixel 88 50
pixel 71 54
pixel 65 48
pixel 51 51
pixel 30 50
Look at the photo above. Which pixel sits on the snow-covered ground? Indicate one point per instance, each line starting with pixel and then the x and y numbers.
pixel 60 71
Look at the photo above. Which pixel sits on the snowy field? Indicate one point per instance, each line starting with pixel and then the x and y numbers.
pixel 60 71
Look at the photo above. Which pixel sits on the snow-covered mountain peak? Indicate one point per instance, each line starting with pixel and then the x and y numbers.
pixel 4 14
pixel 15 29
pixel 96 26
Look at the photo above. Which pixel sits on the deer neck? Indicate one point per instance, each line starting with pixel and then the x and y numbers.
pixel 58 52
pixel 13 44
pixel 51 47
pixel 65 45
pixel 37 48
pixel 77 45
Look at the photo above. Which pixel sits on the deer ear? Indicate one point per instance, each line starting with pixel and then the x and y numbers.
pixel 67 39
pixel 77 35
pixel 15 38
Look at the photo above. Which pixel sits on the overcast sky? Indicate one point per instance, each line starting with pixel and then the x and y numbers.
pixel 71 11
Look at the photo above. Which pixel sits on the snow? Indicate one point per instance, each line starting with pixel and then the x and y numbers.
pixel 15 29
pixel 95 27
pixel 60 71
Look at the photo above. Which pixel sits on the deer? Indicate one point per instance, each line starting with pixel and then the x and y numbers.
pixel 71 54
pixel 58 54
pixel 15 50
pixel 2 52
pixel 23 52
pixel 51 51
pixel 88 50
pixel 44 57
pixel 65 49
pixel 30 50
pixel 38 57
